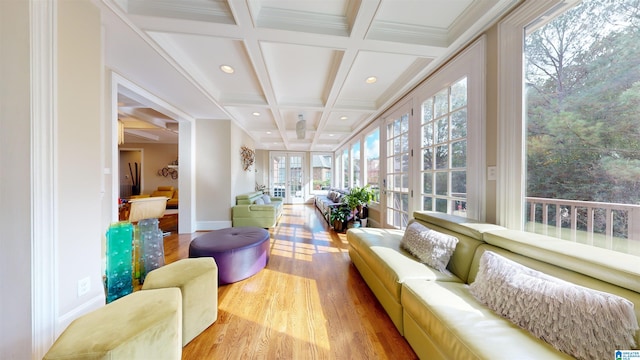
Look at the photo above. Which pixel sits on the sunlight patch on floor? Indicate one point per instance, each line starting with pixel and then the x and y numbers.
pixel 307 323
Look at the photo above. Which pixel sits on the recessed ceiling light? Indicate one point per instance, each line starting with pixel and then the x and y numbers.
pixel 371 79
pixel 343 117
pixel 227 68
pixel 268 132
pixel 256 114
pixel 331 135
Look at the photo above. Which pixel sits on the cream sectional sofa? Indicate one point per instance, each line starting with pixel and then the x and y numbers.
pixel 436 312
pixel 250 211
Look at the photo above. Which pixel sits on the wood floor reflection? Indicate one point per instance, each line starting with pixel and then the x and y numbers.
pixel 310 302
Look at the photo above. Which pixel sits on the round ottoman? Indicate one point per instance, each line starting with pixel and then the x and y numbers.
pixel 239 252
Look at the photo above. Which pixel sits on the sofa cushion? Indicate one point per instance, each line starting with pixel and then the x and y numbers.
pixel 468 241
pixel 579 321
pixel 380 249
pixel 462 328
pixel 431 247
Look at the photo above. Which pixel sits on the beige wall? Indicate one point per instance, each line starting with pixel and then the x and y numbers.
pixel 241 181
pixel 79 95
pixel 213 180
pixel 219 173
pixel 15 154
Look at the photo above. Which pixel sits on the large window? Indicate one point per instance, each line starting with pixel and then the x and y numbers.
pixel 322 172
pixel 372 162
pixel 580 137
pixel 582 95
pixel 355 164
pixel 345 169
pixel 397 165
pixel 444 150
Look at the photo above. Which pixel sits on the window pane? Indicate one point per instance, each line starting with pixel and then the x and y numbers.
pixel 441 105
pixel 441 205
pixel 427 203
pixel 442 157
pixel 397 163
pixel 372 158
pixel 427 155
pixel 322 169
pixel 404 140
pixel 355 164
pixel 459 124
pixel 442 183
pixel 427 134
pixel 459 184
pixel 442 130
pixel 427 110
pixel 404 126
pixel 427 183
pixel 459 154
pixel 459 94
pixel 405 163
pixel 345 168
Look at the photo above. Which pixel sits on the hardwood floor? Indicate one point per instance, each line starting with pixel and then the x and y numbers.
pixel 310 302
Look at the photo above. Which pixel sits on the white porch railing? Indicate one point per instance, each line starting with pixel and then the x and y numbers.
pixel 575 220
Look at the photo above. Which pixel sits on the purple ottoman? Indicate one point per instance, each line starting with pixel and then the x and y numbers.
pixel 239 252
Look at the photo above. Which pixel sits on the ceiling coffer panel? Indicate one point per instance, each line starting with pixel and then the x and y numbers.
pixel 300 75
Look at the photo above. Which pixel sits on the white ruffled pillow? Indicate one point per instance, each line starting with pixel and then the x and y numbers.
pixel 429 246
pixel 582 322
pixel 266 199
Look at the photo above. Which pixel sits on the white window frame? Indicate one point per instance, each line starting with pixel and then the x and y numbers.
pixel 511 163
pixel 469 63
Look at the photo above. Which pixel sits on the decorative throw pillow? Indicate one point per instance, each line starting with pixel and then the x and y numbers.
pixel 266 199
pixel 429 246
pixel 259 201
pixel 579 321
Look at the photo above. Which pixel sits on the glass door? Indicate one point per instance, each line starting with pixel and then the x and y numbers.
pixel 287 177
pixel 396 182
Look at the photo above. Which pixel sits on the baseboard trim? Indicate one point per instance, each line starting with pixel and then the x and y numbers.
pixel 92 304
pixel 212 225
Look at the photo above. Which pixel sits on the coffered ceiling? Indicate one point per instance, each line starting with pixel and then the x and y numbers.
pixel 290 58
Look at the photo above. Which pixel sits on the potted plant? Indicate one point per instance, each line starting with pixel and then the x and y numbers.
pixel 360 196
pixel 338 215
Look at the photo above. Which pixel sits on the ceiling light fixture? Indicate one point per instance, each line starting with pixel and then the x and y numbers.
pixel 301 127
pixel 256 114
pixel 343 117
pixel 268 132
pixel 371 79
pixel 227 68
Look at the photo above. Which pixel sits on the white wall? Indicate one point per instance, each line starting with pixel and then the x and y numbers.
pixel 76 165
pixel 15 195
pixel 79 211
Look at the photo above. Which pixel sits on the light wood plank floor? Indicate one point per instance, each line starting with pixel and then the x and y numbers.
pixel 310 302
